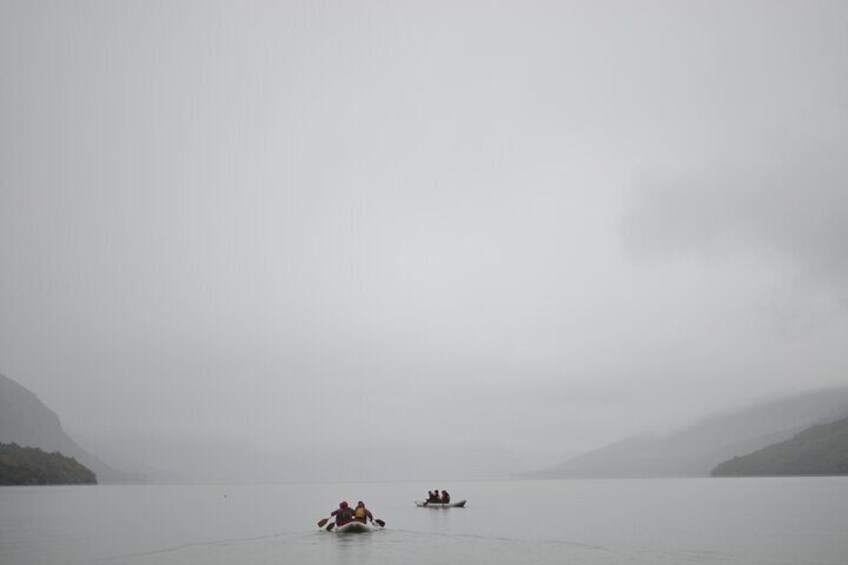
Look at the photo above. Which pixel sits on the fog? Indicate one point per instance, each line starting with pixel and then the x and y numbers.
pixel 515 229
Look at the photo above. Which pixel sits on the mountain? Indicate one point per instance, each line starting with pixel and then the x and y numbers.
pixel 32 466
pixel 696 450
pixel 172 458
pixel 26 421
pixel 819 450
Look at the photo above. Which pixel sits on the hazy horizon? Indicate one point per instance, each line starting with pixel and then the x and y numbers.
pixel 529 228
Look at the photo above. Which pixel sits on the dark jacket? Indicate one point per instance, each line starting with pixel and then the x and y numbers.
pixel 343 515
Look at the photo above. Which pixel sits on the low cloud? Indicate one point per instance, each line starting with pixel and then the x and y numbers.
pixel 782 207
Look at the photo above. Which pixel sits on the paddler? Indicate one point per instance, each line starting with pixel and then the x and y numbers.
pixel 343 513
pixel 362 514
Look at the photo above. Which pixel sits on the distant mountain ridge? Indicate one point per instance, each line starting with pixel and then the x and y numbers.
pixel 696 450
pixel 819 450
pixel 26 421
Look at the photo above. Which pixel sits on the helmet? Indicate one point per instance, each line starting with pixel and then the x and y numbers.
pixel 360 503
pixel 343 504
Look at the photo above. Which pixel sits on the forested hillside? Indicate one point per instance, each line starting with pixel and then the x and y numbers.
pixel 32 466
pixel 26 421
pixel 819 450
pixel 696 450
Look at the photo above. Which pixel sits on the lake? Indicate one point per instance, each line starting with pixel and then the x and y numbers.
pixel 650 521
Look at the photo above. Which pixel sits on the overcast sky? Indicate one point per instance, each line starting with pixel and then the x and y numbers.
pixel 541 225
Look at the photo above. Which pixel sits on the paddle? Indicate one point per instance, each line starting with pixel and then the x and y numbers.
pixel 381 522
pixel 329 527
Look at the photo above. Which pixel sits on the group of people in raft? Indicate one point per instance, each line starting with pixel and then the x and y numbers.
pixel 433 496
pixel 345 514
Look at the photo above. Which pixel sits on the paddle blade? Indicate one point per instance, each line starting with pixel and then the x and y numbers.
pixel 381 522
pixel 330 526
pixel 322 522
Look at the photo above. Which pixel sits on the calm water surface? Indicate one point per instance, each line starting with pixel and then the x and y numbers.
pixel 728 521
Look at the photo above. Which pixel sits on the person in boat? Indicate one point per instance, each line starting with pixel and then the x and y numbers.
pixel 362 514
pixel 343 513
pixel 445 497
pixel 433 496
